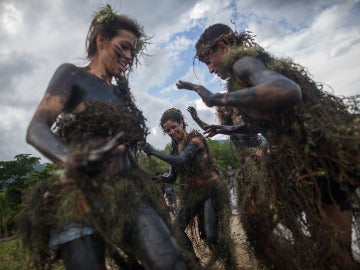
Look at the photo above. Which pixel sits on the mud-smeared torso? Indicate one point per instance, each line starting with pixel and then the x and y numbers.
pixel 200 168
pixel 94 113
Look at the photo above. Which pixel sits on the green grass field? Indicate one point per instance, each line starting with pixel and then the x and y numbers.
pixel 13 257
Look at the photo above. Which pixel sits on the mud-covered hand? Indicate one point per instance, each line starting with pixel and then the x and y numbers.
pixel 196 118
pixel 148 149
pixel 212 130
pixel 208 97
pixel 91 163
pixel 186 85
pixel 193 113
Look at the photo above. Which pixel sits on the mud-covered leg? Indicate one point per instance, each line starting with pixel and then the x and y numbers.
pixel 225 246
pixel 85 253
pixel 182 219
pixel 210 222
pixel 152 242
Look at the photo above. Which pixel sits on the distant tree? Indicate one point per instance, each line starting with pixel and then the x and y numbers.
pixel 49 170
pixel 13 178
pixel 13 173
pixel 152 165
pixel 223 154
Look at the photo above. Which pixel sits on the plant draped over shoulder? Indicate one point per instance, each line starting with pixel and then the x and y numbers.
pixel 327 126
pixel 318 162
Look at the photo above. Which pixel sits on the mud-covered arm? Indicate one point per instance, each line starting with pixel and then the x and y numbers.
pixel 212 130
pixel 268 89
pixel 186 154
pixel 39 133
pixel 196 118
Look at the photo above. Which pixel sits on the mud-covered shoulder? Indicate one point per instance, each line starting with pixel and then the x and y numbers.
pixel 67 69
pixel 63 79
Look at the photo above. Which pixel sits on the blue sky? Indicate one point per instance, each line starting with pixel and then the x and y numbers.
pixel 39 35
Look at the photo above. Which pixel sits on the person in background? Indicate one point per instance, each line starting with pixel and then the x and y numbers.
pixel 170 196
pixel 201 192
pixel 309 169
pixel 230 177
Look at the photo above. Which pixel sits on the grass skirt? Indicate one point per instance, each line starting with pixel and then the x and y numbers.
pixel 50 206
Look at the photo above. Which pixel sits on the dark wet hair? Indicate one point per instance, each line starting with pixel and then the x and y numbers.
pixel 211 33
pixel 172 114
pixel 215 33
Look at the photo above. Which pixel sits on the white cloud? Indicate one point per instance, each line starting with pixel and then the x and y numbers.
pixel 321 35
pixel 199 10
pixel 11 18
pixel 327 44
pixel 13 123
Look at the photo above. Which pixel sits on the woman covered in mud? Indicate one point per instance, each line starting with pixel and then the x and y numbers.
pixel 296 200
pixel 90 126
pixel 202 192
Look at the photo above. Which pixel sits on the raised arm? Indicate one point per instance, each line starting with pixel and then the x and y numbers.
pixel 196 118
pixel 268 89
pixel 212 130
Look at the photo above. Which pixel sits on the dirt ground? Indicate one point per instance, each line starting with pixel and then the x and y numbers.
pixel 245 260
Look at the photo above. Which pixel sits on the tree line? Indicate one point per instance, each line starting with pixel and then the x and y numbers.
pixel 19 174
